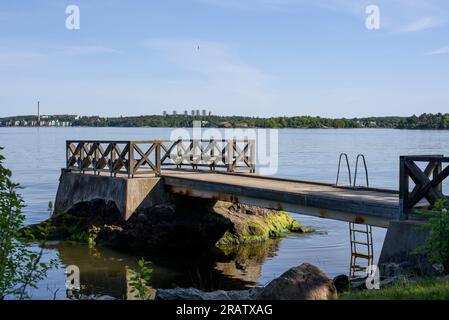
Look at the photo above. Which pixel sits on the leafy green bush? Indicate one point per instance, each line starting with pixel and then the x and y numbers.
pixel 437 244
pixel 140 279
pixel 20 267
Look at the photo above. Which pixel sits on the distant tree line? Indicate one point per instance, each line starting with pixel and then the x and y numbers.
pixel 424 121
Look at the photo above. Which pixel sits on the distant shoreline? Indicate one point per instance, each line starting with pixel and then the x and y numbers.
pixel 148 127
pixel 425 121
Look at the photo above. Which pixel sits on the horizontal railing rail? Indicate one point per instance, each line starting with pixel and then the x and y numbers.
pixel 232 155
pixel 428 182
pixel 148 157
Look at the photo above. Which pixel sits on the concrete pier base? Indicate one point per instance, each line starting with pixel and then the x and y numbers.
pixel 402 239
pixel 128 195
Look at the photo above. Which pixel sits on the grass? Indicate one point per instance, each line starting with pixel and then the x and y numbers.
pixel 423 289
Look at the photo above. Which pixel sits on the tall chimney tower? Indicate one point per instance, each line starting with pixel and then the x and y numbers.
pixel 38 114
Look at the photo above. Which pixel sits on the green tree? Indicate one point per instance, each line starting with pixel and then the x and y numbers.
pixel 20 266
pixel 437 244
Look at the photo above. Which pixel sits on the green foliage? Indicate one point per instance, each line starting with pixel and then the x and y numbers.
pixel 424 121
pixel 92 237
pixel 423 289
pixel 20 266
pixel 437 244
pixel 140 279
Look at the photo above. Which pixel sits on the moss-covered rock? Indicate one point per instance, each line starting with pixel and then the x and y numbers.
pixel 253 224
pixel 183 223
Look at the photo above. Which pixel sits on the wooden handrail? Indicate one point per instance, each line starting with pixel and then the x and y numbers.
pixel 150 156
pixel 428 182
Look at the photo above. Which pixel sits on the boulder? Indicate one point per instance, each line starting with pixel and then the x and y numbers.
pixel 196 294
pixel 305 282
pixel 183 223
pixel 341 283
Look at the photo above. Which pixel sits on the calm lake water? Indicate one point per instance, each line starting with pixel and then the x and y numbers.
pixel 35 155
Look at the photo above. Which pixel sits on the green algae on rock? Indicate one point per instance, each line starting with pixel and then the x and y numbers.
pixel 253 224
pixel 173 225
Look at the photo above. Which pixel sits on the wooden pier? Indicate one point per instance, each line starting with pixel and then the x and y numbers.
pixel 225 170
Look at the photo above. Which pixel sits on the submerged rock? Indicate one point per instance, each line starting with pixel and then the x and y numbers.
pixel 252 224
pixel 305 282
pixel 184 222
pixel 196 294
pixel 93 297
pixel 341 283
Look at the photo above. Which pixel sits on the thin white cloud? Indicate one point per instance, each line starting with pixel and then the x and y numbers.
pixel 443 50
pixel 73 50
pixel 212 69
pixel 212 59
pixel 95 49
pixel 21 59
pixel 422 24
pixel 397 16
pixel 22 55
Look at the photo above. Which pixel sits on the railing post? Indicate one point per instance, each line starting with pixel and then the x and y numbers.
pixel 436 172
pixel 403 189
pixel 212 154
pixel 81 162
pixel 229 154
pixel 158 158
pixel 111 168
pixel 131 159
pixel 95 157
pixel 252 154
pixel 67 152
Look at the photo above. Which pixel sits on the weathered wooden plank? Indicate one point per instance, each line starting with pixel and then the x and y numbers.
pixel 316 199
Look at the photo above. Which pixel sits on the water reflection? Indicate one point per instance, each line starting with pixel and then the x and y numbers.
pixel 107 272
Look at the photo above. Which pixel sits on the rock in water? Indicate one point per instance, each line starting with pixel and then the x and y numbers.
pixel 305 282
pixel 341 283
pixel 182 223
pixel 196 294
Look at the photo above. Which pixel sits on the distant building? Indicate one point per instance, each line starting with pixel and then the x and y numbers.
pixel 174 112
pixel 164 113
pixel 225 124
pixel 193 112
pixel 204 113
pixel 197 112
pixel 186 113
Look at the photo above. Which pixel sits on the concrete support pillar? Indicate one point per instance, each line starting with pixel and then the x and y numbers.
pixel 402 239
pixel 128 195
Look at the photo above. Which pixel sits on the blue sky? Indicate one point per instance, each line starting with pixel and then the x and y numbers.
pixel 255 57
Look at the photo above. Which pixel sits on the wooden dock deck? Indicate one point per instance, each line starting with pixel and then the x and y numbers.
pixel 166 159
pixel 371 206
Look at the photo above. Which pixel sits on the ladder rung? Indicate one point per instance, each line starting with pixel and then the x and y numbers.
pixel 361 255
pixel 358 242
pixel 361 231
pixel 358 268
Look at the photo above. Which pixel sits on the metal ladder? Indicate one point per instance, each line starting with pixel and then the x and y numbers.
pixel 360 235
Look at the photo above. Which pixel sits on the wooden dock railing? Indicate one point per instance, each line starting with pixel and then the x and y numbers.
pixel 149 157
pixel 428 182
